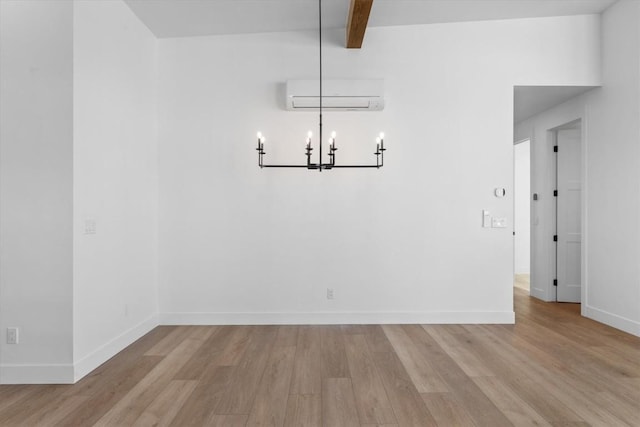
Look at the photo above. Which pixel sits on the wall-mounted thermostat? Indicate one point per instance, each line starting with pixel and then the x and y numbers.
pixel 500 192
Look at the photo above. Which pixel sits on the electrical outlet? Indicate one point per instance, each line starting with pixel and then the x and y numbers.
pixel 12 335
pixel 329 293
pixel 90 225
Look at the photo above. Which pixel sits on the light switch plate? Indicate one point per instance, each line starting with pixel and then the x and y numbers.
pixel 486 219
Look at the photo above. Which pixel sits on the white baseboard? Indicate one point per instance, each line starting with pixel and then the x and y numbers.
pixel 71 373
pixel 113 347
pixel 337 318
pixel 36 374
pixel 627 325
pixel 541 294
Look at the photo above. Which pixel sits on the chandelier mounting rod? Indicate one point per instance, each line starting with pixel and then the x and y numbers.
pixel 320 50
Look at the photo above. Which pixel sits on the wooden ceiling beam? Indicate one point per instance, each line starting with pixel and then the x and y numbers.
pixel 357 23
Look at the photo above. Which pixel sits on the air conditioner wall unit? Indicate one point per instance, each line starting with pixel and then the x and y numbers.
pixel 337 95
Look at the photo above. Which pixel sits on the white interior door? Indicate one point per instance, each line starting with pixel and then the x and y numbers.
pixel 569 215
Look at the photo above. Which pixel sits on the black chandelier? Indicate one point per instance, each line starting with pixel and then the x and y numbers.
pixel 320 166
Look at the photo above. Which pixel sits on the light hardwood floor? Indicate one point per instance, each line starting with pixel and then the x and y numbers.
pixel 553 368
pixel 522 281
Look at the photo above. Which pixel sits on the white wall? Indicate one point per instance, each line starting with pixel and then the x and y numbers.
pixel 611 163
pixel 404 243
pixel 115 181
pixel 613 175
pixel 36 119
pixel 522 182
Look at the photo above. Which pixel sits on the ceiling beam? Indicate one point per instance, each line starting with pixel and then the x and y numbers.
pixel 357 22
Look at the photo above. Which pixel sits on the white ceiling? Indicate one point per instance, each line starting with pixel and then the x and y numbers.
pixel 531 100
pixel 184 18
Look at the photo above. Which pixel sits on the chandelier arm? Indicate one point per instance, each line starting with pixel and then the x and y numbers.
pixel 357 166
pixel 284 166
pixel 318 166
pixel 379 162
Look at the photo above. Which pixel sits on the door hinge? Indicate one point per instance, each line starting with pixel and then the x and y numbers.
pixel 555 282
pixel 555 148
pixel 555 238
pixel 555 193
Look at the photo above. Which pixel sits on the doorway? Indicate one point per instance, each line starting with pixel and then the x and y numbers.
pixel 547 116
pixel 522 214
pixel 568 197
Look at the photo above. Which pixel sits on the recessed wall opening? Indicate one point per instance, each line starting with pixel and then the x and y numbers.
pixel 549 207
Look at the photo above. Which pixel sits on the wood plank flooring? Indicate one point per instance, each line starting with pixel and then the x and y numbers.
pixel 553 368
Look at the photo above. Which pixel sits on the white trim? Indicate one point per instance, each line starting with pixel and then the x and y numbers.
pixel 540 293
pixel 627 325
pixel 113 347
pixel 584 227
pixel 72 373
pixel 338 318
pixel 36 374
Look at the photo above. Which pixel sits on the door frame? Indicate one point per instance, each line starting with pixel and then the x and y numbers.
pixel 515 213
pixel 540 130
